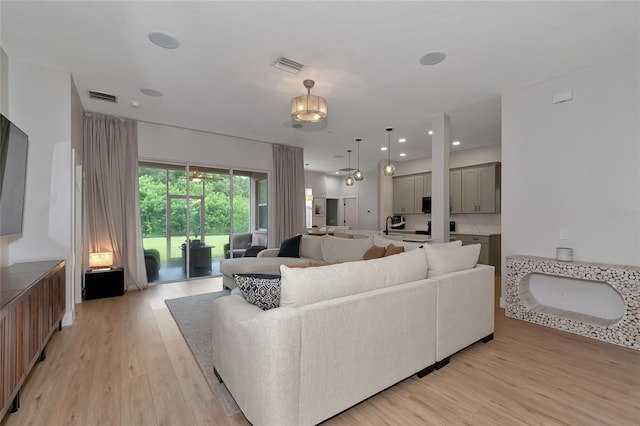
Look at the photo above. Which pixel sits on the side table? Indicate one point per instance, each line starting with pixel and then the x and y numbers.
pixel 103 283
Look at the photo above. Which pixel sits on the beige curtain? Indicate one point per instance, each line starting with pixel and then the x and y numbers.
pixel 111 194
pixel 288 196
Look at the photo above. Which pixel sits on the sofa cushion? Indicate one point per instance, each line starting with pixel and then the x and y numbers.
pixel 290 247
pixel 310 285
pixel 344 249
pixel 373 252
pixel 311 247
pixel 393 249
pixel 442 260
pixel 262 290
pixel 262 265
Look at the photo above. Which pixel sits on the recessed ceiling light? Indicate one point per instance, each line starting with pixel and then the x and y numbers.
pixel 337 173
pixel 433 58
pixel 455 143
pixel 430 132
pixel 134 104
pixel 151 92
pixel 403 154
pixel 384 148
pixel 402 140
pixel 162 39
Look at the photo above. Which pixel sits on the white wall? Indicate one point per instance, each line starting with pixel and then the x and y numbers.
pixel 77 238
pixel 366 192
pixel 4 83
pixel 4 110
pixel 40 104
pixel 77 123
pixel 165 143
pixel 574 165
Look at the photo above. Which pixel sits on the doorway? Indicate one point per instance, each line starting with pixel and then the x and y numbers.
pixel 332 212
pixel 190 214
pixel 342 212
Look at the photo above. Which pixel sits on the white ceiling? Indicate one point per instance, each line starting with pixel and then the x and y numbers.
pixel 364 57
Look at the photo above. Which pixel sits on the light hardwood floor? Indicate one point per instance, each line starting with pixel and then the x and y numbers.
pixel 124 362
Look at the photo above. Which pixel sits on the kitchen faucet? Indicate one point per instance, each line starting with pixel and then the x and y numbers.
pixel 386 225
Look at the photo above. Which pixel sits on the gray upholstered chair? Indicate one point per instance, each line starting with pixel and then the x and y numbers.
pixel 241 242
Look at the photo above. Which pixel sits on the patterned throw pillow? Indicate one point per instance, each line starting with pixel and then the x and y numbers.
pixel 262 290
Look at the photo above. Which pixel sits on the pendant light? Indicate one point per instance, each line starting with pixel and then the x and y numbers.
pixel 349 180
pixel 389 169
pixel 358 175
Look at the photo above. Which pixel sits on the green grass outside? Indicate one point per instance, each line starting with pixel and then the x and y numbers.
pixel 160 244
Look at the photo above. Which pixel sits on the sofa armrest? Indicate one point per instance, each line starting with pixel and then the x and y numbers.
pixel 257 354
pixel 273 252
pixel 358 345
pixel 465 309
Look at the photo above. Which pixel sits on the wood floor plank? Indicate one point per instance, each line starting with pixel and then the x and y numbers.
pixel 125 362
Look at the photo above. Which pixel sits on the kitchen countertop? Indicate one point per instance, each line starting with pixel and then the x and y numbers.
pixel 413 231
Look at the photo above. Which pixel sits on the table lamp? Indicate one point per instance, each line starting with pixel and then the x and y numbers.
pixel 101 261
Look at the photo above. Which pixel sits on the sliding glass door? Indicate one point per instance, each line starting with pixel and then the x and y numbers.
pixel 190 214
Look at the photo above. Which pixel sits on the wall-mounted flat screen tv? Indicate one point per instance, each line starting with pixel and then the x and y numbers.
pixel 14 145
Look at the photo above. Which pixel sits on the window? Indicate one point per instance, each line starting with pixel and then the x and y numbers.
pixel 262 192
pixel 308 206
pixel 188 213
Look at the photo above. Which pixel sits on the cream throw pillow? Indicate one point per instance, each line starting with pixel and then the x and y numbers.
pixel 443 260
pixel 311 246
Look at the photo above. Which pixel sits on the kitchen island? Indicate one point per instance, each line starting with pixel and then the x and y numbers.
pixel 489 242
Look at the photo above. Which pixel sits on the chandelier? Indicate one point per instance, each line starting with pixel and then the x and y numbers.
pixel 308 107
pixel 389 169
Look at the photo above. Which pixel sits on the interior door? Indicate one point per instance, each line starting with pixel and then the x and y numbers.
pixel 350 212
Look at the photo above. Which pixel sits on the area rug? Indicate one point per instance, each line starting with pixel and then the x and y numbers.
pixel 193 316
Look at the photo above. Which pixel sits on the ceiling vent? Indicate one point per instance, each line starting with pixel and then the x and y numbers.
pixel 101 96
pixel 346 169
pixel 287 65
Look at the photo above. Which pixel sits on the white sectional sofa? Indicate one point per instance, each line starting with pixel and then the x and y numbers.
pixel 347 331
pixel 317 249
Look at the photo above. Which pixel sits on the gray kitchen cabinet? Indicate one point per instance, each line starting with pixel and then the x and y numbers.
pixel 422 188
pixel 480 189
pixel 473 189
pixel 489 247
pixel 455 191
pixel 427 187
pixel 403 194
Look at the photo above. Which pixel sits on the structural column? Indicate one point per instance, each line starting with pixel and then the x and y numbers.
pixel 440 178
